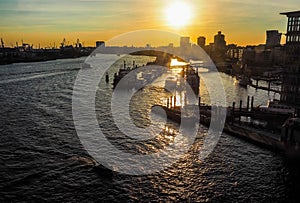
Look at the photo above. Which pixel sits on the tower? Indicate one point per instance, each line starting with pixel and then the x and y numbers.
pixel 291 78
pixel 273 38
pixel 219 41
pixel 201 41
pixel 185 42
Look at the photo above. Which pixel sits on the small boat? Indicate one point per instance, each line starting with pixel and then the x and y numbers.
pixel 86 65
pixel 171 83
pixel 244 81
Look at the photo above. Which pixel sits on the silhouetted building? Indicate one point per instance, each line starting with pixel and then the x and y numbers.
pixel 263 58
pixel 234 52
pixel 201 41
pixel 291 80
pixel 219 41
pixel 273 38
pixel 100 43
pixel 185 42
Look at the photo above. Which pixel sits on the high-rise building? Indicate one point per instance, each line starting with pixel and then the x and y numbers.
pixel 291 79
pixel 201 41
pixel 273 38
pixel 219 41
pixel 185 42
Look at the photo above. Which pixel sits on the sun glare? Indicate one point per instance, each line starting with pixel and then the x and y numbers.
pixel 178 14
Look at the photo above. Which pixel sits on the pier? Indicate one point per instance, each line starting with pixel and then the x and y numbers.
pixel 266 129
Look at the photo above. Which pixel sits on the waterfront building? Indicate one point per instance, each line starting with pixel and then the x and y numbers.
pixel 273 38
pixel 291 79
pixel 234 52
pixel 185 42
pixel 201 41
pixel 262 58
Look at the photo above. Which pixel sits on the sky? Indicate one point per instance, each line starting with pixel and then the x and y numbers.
pixel 47 22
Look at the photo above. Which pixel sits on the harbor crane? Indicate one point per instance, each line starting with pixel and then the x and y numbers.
pixel 2 43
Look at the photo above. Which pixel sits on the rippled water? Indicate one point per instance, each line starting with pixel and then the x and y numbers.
pixel 42 158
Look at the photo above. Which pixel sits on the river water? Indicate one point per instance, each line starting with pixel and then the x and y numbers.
pixel 42 158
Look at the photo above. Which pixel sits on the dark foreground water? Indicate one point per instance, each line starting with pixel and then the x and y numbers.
pixel 42 159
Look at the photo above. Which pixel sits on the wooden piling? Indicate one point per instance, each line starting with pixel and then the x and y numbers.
pixel 174 101
pixel 107 78
pixel 168 103
pixel 241 105
pixel 252 103
pixel 248 103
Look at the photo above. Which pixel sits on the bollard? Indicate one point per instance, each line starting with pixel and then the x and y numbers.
pixel 252 103
pixel 241 105
pixel 107 78
pixel 174 101
pixel 233 106
pixel 248 103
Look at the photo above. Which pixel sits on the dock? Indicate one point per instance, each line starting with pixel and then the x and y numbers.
pixel 271 135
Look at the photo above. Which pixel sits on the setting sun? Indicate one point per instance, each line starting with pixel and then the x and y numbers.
pixel 178 14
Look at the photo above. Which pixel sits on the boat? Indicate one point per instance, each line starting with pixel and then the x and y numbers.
pixel 244 81
pixel 86 65
pixel 171 83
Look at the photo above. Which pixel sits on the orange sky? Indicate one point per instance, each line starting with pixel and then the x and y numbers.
pixel 48 22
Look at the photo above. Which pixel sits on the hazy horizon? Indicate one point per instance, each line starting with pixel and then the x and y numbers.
pixel 48 22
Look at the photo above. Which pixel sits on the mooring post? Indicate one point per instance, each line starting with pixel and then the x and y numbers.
pixel 248 103
pixel 199 101
pixel 233 106
pixel 107 78
pixel 256 83
pixel 168 103
pixel 241 105
pixel 175 101
pixel 252 103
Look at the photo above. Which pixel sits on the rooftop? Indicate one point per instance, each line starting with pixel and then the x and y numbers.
pixel 291 13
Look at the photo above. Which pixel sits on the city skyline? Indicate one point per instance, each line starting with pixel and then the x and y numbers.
pixel 45 22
